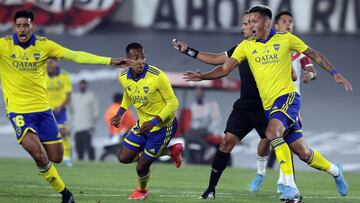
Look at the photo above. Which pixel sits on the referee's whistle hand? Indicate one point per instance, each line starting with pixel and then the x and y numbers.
pixel 181 46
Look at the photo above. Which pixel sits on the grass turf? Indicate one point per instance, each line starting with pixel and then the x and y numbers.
pixel 102 182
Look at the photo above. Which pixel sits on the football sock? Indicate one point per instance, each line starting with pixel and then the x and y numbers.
pixel 283 155
pixel 219 164
pixel 67 147
pixel 317 161
pixel 284 159
pixel 143 181
pixel 290 181
pixel 51 175
pixel 261 165
pixel 281 179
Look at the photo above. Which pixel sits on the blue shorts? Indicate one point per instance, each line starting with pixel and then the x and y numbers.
pixel 286 108
pixel 152 143
pixel 293 133
pixel 61 118
pixel 41 123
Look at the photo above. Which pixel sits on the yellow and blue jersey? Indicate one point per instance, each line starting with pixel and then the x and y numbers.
pixel 270 63
pixel 58 86
pixel 23 71
pixel 151 94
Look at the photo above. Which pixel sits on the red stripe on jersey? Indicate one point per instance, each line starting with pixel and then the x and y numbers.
pixel 295 56
pixel 305 61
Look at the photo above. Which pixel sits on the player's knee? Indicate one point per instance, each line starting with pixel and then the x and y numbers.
pixel 271 133
pixel 41 159
pixel 56 159
pixel 124 159
pixel 226 146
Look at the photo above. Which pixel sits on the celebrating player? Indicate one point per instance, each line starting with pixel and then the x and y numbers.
pixel 23 58
pixel 269 57
pixel 150 92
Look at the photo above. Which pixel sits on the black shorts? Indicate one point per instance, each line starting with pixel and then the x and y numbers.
pixel 241 122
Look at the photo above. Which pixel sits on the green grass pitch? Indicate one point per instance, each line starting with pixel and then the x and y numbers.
pixel 102 182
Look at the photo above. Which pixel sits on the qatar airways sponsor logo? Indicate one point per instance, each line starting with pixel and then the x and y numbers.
pixel 140 99
pixel 26 66
pixel 267 59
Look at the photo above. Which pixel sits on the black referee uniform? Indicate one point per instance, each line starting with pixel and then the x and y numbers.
pixel 248 112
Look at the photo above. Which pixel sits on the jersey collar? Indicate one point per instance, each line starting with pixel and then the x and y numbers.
pixel 24 46
pixel 142 75
pixel 272 33
pixel 58 71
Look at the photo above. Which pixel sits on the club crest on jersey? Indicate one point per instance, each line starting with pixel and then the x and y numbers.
pixel 37 56
pixel 13 56
pixel 276 47
pixel 129 89
pixel 146 89
pixel 254 52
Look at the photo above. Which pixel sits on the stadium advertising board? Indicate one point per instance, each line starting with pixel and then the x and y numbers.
pixel 311 16
pixel 57 16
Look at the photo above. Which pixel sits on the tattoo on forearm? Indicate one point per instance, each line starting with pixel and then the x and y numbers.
pixel 320 59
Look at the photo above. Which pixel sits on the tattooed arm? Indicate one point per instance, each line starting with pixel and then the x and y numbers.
pixel 326 65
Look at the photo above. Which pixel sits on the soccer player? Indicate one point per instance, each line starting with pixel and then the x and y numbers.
pixel 269 57
pixel 150 92
pixel 247 113
pixel 23 58
pixel 284 23
pixel 59 91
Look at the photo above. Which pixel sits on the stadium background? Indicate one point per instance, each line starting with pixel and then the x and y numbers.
pixel 331 26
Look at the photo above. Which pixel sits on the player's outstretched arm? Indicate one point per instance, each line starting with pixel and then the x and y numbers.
pixel 217 72
pixel 88 58
pixel 326 65
pixel 209 58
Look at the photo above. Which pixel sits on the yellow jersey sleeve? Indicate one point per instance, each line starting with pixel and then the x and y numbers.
pixel 168 95
pixel 240 52
pixel 296 44
pixel 58 51
pixel 54 49
pixel 84 57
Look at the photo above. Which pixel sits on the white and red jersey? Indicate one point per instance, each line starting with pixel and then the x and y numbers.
pixel 299 61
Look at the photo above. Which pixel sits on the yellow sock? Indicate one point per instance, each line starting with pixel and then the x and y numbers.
pixel 67 147
pixel 318 161
pixel 51 175
pixel 283 155
pixel 143 181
